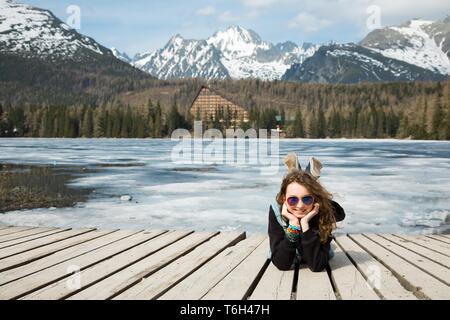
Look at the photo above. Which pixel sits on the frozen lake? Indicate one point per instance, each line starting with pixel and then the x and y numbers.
pixel 384 185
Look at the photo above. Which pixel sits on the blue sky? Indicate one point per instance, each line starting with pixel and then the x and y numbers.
pixel 140 26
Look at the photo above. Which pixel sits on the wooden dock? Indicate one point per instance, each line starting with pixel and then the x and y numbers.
pixel 55 263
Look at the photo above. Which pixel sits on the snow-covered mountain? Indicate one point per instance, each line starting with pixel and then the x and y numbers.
pixel 246 55
pixel 181 58
pixel 351 63
pixel 236 52
pixel 48 61
pixel 32 32
pixel 121 55
pixel 415 50
pixel 419 42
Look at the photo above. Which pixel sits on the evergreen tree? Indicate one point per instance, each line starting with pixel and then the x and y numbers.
pixel 298 130
pixel 335 124
pixel 437 121
pixel 158 125
pixel 447 125
pixel 87 130
pixel 404 129
pixel 321 124
pixel 16 119
pixel 391 124
pixel 100 116
pixel 71 126
pixel 174 119
pixel 116 122
pixel 381 124
pixel 421 131
pixel 312 126
pixel 127 124
pixel 283 117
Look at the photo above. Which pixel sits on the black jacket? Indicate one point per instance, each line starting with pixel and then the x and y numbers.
pixel 314 253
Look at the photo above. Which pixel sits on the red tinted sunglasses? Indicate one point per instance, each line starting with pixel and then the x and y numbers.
pixel 307 200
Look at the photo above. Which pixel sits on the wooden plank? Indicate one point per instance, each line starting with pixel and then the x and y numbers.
pixel 102 270
pixel 87 242
pixel 159 282
pixel 314 285
pixel 41 252
pixel 14 242
pixel 237 284
pixel 349 282
pixel 424 252
pixel 28 284
pixel 127 277
pixel 25 233
pixel 429 243
pixel 380 277
pixel 198 283
pixel 12 230
pixel 417 281
pixel 431 267
pixel 439 238
pixel 37 243
pixel 274 285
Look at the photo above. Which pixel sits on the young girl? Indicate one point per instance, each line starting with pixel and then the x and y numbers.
pixel 303 229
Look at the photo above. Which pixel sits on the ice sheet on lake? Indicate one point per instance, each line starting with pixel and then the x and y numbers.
pixel 384 185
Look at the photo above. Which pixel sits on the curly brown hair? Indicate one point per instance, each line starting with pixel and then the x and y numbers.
pixel 327 220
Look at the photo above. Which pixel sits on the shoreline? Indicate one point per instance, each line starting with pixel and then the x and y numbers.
pixel 225 138
pixel 26 187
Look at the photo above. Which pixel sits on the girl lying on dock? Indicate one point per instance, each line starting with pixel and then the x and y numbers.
pixel 302 220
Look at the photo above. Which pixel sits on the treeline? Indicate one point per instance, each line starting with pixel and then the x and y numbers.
pixel 153 122
pixel 393 110
pixel 91 122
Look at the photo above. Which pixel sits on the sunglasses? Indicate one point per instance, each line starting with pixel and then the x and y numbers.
pixel 307 200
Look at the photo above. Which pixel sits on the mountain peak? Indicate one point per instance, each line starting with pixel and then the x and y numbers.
pixel 238 42
pixel 176 37
pixel 239 33
pixel 413 42
pixel 235 52
pixel 176 40
pixel 33 32
pixel 121 55
pixel 415 23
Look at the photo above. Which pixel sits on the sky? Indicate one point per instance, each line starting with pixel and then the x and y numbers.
pixel 141 26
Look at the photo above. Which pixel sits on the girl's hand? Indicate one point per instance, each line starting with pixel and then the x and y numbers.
pixel 293 220
pixel 312 214
pixel 305 221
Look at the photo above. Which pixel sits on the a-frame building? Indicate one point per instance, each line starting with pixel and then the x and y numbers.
pixel 209 105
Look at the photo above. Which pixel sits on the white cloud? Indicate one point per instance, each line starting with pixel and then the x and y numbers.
pixel 308 22
pixel 206 11
pixel 320 14
pixel 258 3
pixel 355 11
pixel 227 16
pixel 412 7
